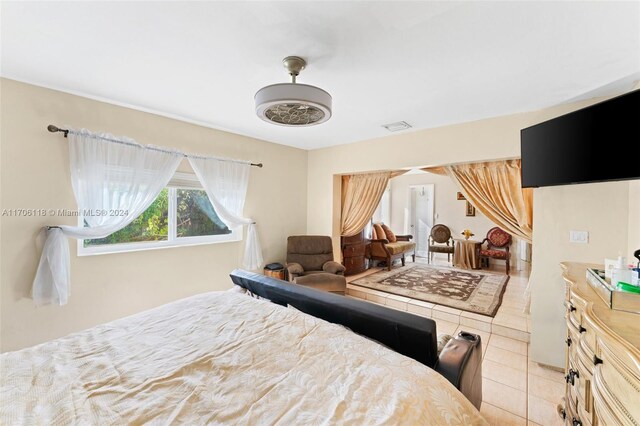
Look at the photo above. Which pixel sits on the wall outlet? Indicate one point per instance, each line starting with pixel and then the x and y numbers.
pixel 580 237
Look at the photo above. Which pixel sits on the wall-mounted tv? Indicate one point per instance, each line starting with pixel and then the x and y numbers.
pixel 594 144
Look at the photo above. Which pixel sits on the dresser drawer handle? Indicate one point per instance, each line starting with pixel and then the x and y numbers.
pixel 568 341
pixel 596 360
pixel 576 422
pixel 582 329
pixel 570 378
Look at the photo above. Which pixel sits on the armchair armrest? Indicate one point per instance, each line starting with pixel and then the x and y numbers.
pixel 333 268
pixel 294 270
pixel 380 241
pixel 461 363
pixel 404 237
pixel 377 248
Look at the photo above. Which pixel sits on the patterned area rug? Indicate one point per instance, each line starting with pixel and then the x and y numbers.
pixel 472 291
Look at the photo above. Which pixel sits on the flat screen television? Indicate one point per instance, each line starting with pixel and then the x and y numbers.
pixel 595 144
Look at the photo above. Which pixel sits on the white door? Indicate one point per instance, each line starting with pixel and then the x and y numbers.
pixel 421 216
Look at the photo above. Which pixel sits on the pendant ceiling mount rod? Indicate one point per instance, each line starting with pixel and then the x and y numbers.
pixel 294 64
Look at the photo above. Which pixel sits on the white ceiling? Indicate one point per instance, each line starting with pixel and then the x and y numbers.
pixel 427 63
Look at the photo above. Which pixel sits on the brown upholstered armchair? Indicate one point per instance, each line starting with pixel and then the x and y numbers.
pixel 440 234
pixel 386 246
pixel 498 242
pixel 310 262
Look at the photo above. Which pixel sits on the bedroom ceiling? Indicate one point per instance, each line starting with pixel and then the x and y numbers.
pixel 429 64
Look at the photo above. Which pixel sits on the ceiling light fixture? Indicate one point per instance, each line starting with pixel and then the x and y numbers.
pixel 293 104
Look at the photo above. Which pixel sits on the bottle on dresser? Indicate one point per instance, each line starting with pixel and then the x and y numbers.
pixel 623 275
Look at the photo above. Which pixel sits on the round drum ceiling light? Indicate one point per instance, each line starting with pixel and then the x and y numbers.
pixel 292 104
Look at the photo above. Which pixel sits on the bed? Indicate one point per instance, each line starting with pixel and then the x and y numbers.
pixel 226 358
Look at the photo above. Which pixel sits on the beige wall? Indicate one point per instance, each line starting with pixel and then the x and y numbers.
pixel 602 209
pixel 447 209
pixel 35 174
pixel 494 138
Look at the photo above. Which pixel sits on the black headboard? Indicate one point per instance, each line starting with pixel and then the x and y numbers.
pixel 408 334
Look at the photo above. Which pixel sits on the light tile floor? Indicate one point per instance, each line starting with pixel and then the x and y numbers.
pixel 516 391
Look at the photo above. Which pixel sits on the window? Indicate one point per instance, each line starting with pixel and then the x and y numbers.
pixel 181 215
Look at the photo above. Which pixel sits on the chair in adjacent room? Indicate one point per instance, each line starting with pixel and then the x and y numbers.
pixel 440 241
pixel 498 242
pixel 310 263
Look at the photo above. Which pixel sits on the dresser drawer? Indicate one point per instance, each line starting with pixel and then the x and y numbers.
pixel 572 393
pixel 588 332
pixel 353 250
pixel 354 265
pixel 605 412
pixel 575 308
pixel 583 388
pixel 571 408
pixel 574 335
pixel 585 418
pixel 618 383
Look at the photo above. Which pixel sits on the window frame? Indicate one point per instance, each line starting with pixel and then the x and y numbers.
pixel 180 180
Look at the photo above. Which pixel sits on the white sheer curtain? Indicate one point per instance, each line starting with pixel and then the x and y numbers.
pixel 226 185
pixel 114 181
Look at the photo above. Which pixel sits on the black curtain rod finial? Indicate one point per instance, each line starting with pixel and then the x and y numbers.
pixel 54 129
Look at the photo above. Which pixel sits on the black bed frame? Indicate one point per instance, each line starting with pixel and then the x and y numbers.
pixel 460 361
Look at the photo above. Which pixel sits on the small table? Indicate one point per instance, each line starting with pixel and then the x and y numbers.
pixel 275 273
pixel 465 255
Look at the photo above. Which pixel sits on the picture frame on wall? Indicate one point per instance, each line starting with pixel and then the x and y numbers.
pixel 470 211
pixel 459 196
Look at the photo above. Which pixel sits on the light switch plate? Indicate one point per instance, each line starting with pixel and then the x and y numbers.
pixel 580 237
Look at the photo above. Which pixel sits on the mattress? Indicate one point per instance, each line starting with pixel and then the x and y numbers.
pixel 223 358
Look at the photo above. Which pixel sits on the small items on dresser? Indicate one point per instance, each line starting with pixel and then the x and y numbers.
pixel 620 296
pixel 616 284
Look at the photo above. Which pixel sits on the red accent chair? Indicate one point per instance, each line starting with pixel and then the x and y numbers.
pixel 498 242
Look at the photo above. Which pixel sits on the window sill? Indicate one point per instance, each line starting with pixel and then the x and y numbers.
pixel 156 245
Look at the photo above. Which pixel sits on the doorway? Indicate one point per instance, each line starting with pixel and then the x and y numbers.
pixel 420 216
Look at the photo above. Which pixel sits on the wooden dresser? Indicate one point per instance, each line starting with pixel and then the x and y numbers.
pixel 603 357
pixel 353 257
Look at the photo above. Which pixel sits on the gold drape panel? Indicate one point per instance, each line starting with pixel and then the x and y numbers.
pixel 397 173
pixel 361 195
pixel 495 189
pixel 439 170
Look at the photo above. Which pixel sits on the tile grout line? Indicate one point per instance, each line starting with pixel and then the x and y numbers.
pixel 525 418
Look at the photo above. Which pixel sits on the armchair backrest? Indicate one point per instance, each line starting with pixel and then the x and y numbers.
pixel 310 251
pixel 440 233
pixel 498 238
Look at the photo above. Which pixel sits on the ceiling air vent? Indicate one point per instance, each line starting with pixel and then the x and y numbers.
pixel 397 126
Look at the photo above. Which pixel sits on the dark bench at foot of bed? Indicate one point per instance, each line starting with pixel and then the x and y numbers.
pixel 460 361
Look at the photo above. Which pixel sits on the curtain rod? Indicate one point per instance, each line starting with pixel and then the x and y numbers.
pixel 55 129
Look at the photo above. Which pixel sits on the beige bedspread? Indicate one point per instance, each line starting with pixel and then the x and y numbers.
pixel 223 358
